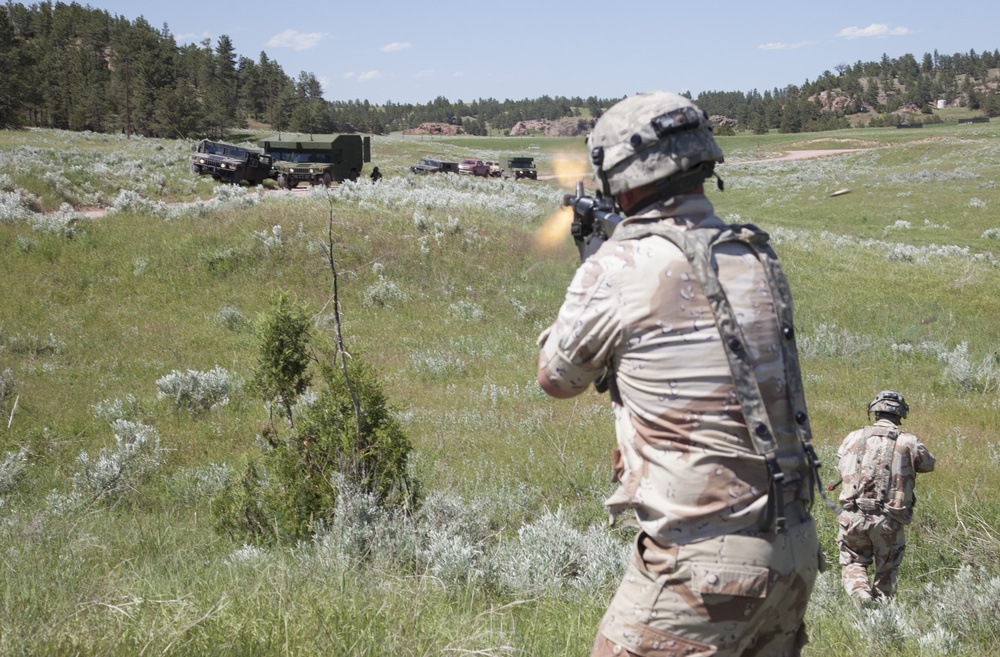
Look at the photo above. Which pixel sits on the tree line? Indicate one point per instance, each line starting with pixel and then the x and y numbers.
pixel 876 90
pixel 77 68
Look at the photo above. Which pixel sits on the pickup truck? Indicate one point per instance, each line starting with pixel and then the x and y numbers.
pixel 472 167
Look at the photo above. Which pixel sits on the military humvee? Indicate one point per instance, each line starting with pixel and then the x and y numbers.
pixel 230 163
pixel 317 159
pixel 522 167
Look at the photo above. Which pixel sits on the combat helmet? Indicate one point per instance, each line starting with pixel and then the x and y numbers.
pixel 888 401
pixel 656 138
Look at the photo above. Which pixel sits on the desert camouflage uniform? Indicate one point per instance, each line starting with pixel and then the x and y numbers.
pixel 879 466
pixel 709 575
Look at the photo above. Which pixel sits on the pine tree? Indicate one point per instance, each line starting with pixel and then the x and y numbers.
pixel 10 74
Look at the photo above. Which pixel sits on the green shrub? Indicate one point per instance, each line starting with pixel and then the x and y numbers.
pixel 283 359
pixel 292 488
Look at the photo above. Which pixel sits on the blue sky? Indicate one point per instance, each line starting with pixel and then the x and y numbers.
pixel 413 51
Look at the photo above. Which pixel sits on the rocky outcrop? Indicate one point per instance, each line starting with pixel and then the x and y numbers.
pixel 719 119
pixel 832 101
pixel 434 129
pixel 567 127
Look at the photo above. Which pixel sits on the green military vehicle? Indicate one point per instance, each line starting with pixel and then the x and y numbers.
pixel 230 163
pixel 317 159
pixel 522 167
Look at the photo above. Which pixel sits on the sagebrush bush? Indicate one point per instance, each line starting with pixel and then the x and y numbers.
pixel 110 410
pixel 195 391
pixel 13 207
pixel 233 319
pixel 64 223
pixel 192 484
pixel 34 345
pixel 383 293
pixel 885 627
pixel 136 452
pixel 270 241
pixel 12 470
pixel 551 555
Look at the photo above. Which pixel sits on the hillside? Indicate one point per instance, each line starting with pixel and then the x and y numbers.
pixel 134 339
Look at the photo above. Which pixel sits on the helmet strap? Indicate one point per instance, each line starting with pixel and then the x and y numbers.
pixel 719 182
pixel 683 183
pixel 605 185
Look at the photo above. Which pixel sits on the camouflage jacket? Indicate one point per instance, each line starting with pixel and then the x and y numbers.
pixel 685 460
pixel 879 466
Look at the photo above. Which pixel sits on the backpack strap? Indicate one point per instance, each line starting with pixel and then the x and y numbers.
pixel 697 245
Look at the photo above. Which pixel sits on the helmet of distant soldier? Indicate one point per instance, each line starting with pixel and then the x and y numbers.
pixel 889 401
pixel 656 138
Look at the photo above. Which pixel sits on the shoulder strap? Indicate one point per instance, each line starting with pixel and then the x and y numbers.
pixel 697 245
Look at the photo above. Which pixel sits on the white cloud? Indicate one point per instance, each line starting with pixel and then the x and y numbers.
pixel 458 74
pixel 369 75
pixel 781 45
pixel 350 74
pixel 297 40
pixel 879 30
pixel 426 73
pixel 396 46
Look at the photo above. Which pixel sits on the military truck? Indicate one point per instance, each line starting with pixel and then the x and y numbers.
pixel 317 159
pixel 230 163
pixel 522 167
pixel 430 165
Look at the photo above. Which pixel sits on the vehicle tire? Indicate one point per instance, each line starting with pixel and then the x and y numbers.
pixel 283 181
pixel 236 177
pixel 327 179
pixel 195 169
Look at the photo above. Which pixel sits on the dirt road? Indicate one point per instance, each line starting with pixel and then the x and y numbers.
pixel 788 156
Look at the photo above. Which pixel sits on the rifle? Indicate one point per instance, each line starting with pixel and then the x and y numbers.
pixel 594 220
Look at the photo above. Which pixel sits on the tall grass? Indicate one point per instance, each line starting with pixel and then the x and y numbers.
pixel 144 319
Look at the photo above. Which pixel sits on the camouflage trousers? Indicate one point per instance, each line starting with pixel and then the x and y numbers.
pixel 864 539
pixel 733 595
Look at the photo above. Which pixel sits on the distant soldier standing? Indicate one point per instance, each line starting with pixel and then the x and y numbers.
pixel 878 467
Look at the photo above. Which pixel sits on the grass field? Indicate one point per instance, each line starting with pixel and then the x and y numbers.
pixel 443 290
